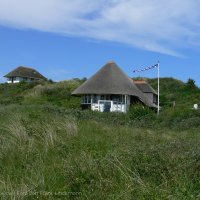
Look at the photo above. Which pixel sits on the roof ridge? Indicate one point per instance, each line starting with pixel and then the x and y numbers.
pixel 21 66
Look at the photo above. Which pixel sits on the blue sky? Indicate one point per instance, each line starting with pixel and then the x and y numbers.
pixel 66 39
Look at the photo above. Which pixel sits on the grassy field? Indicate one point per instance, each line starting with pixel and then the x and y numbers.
pixel 50 149
pixel 48 153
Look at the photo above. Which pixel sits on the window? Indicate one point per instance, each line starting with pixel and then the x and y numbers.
pixel 95 99
pixel 118 98
pixel 107 97
pixel 86 99
pixel 102 97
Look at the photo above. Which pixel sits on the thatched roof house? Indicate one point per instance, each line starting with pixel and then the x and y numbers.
pixel 143 86
pixel 23 74
pixel 110 89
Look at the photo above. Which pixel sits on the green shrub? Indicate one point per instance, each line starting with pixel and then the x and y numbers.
pixel 140 112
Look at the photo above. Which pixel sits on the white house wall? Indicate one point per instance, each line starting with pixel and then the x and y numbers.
pixel 19 79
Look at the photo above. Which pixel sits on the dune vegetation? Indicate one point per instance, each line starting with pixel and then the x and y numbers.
pixel 50 149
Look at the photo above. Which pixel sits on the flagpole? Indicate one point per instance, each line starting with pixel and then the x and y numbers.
pixel 158 88
pixel 151 67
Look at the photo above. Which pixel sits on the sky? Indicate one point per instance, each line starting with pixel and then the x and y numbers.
pixel 65 39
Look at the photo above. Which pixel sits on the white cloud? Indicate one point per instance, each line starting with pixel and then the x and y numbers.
pixel 154 25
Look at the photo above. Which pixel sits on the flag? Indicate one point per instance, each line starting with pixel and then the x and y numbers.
pixel 145 69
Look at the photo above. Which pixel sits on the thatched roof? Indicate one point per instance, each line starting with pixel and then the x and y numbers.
pixel 144 87
pixel 25 72
pixel 110 79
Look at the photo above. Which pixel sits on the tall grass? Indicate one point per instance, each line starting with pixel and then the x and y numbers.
pixel 50 153
pixel 40 93
pixel 28 151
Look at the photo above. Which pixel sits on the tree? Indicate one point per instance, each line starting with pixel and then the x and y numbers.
pixel 191 84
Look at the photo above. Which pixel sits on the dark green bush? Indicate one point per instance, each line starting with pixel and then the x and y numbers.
pixel 139 112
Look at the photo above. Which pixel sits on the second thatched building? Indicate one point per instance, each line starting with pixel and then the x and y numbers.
pixel 25 74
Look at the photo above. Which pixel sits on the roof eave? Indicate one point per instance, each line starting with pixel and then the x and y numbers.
pixel 7 76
